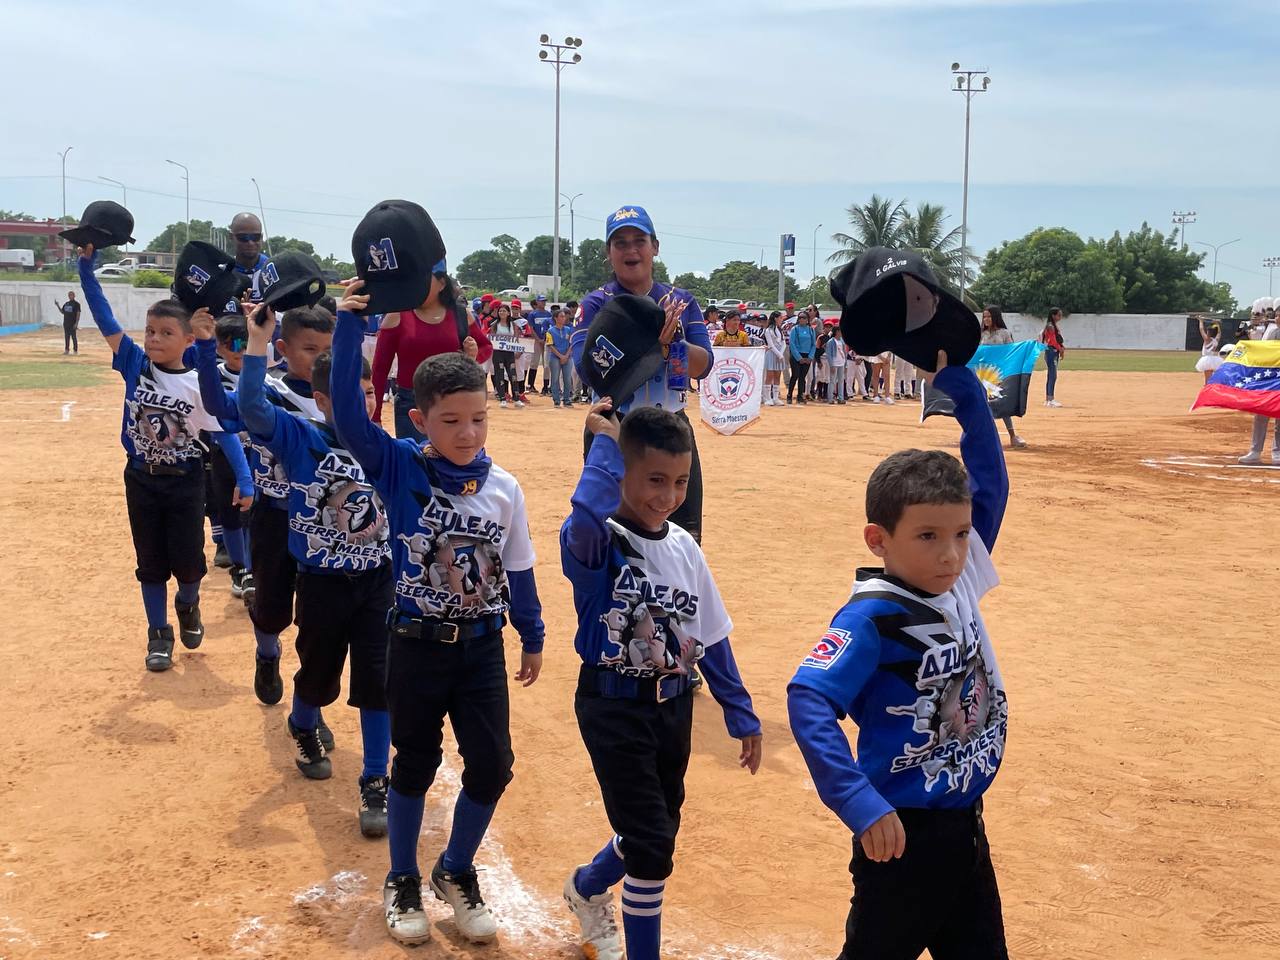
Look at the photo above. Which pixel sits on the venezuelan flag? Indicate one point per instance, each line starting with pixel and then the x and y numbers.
pixel 1004 369
pixel 1249 379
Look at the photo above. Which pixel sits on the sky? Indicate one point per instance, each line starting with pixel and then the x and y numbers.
pixel 730 122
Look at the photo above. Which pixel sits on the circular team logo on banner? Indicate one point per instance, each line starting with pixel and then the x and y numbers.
pixel 731 384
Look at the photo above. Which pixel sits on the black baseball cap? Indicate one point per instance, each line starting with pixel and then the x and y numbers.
pixel 395 249
pixel 290 280
pixel 206 277
pixel 104 223
pixel 891 300
pixel 621 350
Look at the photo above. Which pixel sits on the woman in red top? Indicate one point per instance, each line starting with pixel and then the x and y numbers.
pixel 413 335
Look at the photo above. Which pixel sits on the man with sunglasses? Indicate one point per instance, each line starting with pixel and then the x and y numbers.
pixel 246 232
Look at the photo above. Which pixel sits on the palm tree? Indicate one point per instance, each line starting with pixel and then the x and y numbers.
pixel 924 232
pixel 876 223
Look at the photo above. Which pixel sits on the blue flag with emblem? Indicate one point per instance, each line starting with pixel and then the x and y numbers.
pixel 1004 369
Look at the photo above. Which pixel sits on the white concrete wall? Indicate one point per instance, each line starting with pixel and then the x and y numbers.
pixel 1109 331
pixel 128 303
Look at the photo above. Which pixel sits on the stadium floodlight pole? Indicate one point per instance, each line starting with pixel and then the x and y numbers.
pixel 964 85
pixel 124 195
pixel 815 255
pixel 573 251
pixel 262 217
pixel 1216 247
pixel 1270 263
pixel 186 176
pixel 559 61
pixel 63 155
pixel 1182 219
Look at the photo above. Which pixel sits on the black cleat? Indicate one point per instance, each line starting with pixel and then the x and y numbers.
pixel 326 735
pixel 696 683
pixel 310 758
pixel 190 628
pixel 248 589
pixel 221 558
pixel 267 685
pixel 160 648
pixel 373 806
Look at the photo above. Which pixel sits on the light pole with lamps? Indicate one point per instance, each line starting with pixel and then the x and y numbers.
pixel 964 85
pixel 124 195
pixel 1182 219
pixel 573 250
pixel 559 61
pixel 1270 263
pixel 63 155
pixel 262 216
pixel 186 176
pixel 1216 247
pixel 815 256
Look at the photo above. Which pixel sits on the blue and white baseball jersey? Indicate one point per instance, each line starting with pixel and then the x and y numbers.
pixel 163 414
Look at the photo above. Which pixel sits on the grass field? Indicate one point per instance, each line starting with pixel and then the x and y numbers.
pixel 47 374
pixel 1129 361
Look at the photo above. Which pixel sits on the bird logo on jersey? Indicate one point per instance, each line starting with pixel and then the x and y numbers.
pixel 347 525
pixel 158 426
pixel 646 626
pixel 459 563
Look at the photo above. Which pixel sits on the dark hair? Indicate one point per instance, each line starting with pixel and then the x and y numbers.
pixel 997 317
pixel 711 308
pixel 1055 314
pixel 652 428
pixel 305 318
pixel 449 293
pixel 231 327
pixel 328 303
pixel 773 318
pixel 571 306
pixel 909 477
pixel 323 366
pixel 560 312
pixel 443 374
pixel 171 310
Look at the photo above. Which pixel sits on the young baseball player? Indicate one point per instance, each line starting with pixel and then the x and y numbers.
pixel 908 658
pixel 305 333
pixel 462 560
pixel 648 610
pixel 164 476
pixel 338 538
pixel 232 336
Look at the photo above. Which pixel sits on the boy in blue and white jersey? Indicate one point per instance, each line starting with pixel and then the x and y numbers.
pixel 648 610
pixel 908 658
pixel 462 560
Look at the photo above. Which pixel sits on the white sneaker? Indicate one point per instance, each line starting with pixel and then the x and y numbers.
pixel 462 892
pixel 875 399
pixel 402 902
pixel 1252 457
pixel 1052 403
pixel 1017 442
pixel 890 401
pixel 519 403
pixel 596 916
pixel 502 404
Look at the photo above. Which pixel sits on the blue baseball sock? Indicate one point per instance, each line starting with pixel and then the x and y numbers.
pixel 155 600
pixel 603 872
pixel 642 917
pixel 404 823
pixel 237 547
pixel 375 731
pixel 189 593
pixel 304 716
pixel 268 644
pixel 470 821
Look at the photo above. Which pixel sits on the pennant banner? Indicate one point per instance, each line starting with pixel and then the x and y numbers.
pixel 730 394
pixel 1004 369
pixel 1249 379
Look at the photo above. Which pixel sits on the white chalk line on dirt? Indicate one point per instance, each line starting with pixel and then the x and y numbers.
pixel 1244 473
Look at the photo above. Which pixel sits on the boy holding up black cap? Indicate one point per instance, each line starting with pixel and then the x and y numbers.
pixel 164 477
pixel 462 560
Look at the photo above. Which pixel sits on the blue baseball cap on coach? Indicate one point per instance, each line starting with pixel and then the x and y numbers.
pixel 628 216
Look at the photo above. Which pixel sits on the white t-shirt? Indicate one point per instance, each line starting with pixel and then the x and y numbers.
pixel 164 417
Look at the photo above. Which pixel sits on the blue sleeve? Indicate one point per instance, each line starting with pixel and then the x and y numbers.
pixel 363 439
pixel 585 536
pixel 578 338
pixel 526 610
pixel 695 332
pixel 258 413
pixel 720 670
pixel 217 399
pixel 792 347
pixel 980 450
pixel 815 723
pixel 234 450
pixel 97 300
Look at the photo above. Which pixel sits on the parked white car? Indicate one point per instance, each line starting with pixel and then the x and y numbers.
pixel 111 270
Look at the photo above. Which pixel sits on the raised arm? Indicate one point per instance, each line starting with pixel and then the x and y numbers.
pixel 99 308
pixel 257 412
pixel 364 439
pixel 598 494
pixel 979 448
pixel 217 399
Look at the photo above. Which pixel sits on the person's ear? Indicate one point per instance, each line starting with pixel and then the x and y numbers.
pixel 419 420
pixel 282 348
pixel 875 537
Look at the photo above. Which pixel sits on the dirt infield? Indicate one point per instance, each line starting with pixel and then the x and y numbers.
pixel 1137 813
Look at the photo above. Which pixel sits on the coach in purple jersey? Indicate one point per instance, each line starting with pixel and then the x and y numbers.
pixel 632 244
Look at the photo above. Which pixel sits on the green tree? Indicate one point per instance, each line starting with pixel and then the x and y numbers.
pixel 1159 276
pixel 173 237
pixel 694 284
pixel 925 232
pixel 747 281
pixel 591 267
pixel 509 248
pixel 876 223
pixel 343 268
pixel 282 244
pixel 536 257
pixel 487 270
pixel 660 274
pixel 1048 268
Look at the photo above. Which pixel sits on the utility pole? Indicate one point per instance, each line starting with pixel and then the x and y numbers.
pixel 573 250
pixel 964 85
pixel 1216 248
pixel 186 176
pixel 559 61
pixel 1270 263
pixel 1182 219
pixel 262 216
pixel 63 155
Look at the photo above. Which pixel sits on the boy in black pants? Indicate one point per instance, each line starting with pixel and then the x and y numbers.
pixel 648 610
pixel 164 478
pixel 909 659
pixel 226 498
pixel 462 560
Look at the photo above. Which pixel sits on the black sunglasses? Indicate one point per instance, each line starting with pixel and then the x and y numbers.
pixel 249 237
